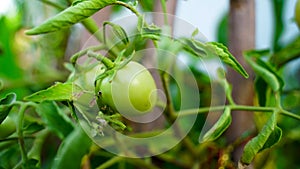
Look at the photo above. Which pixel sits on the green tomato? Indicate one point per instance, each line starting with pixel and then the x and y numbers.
pixel 131 90
pixel 297 13
pixel 7 127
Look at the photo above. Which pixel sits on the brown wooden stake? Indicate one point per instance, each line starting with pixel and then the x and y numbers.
pixel 241 38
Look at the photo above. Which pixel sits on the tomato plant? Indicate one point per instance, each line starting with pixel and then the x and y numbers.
pixel 93 107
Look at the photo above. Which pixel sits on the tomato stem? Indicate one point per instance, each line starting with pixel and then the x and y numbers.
pixel 74 57
pixel 20 132
pixel 237 107
pixel 110 162
pixel 107 62
pixel 289 114
pixel 131 8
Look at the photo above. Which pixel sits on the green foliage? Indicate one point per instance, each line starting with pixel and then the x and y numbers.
pixel 48 113
pixel 219 127
pixel 267 137
pixel 118 30
pixel 264 73
pixel 70 16
pixel 57 92
pixel 6 104
pixel 223 53
pixel 8 60
pixel 55 119
pixel 72 150
pixel 287 54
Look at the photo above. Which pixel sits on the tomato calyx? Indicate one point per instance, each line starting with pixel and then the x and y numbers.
pixel 111 67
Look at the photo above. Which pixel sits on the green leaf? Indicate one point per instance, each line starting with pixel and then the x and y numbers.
pixel 195 32
pixel 278 28
pixel 148 31
pixel 219 127
pixel 271 69
pixel 287 54
pixel 194 47
pixel 57 92
pixel 6 104
pixel 70 16
pixel 268 76
pixel 56 120
pixel 118 31
pixel 273 139
pixel 223 53
pixel 147 5
pixel 260 84
pixel 31 163
pixel 201 49
pixel 72 149
pixel 257 53
pixel 9 68
pixel 33 127
pixel 261 141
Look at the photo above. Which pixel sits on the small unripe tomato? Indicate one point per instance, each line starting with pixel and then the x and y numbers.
pixel 297 13
pixel 131 90
pixel 7 127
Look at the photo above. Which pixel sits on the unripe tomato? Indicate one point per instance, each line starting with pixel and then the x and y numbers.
pixel 7 127
pixel 297 13
pixel 131 91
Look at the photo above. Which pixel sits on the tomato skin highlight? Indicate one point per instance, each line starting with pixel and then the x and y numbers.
pixel 297 13
pixel 131 91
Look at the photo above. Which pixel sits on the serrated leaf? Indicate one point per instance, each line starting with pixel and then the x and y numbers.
pixel 151 32
pixel 258 143
pixel 70 16
pixel 6 104
pixel 219 127
pixel 72 149
pixel 201 49
pixel 56 120
pixel 118 31
pixel 223 53
pixel 57 92
pixel 194 47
